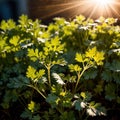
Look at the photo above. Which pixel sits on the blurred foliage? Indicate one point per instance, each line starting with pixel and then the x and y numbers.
pixel 65 70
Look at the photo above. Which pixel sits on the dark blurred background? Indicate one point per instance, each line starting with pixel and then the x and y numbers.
pixel 12 9
pixel 47 9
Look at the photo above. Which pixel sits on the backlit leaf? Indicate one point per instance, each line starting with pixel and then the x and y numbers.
pixel 79 57
pixel 31 72
pixel 91 52
pixel 14 40
pixel 33 54
pixel 31 106
pixel 40 73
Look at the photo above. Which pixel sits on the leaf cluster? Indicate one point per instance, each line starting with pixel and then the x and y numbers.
pixel 65 70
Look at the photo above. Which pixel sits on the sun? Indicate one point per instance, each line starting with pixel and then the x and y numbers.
pixel 89 8
pixel 102 2
pixel 94 8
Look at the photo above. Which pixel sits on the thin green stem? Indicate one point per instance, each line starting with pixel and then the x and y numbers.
pixel 49 78
pixel 79 75
pixel 34 87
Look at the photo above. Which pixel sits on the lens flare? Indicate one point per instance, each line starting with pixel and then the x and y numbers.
pixel 72 8
pixel 102 2
pixel 102 7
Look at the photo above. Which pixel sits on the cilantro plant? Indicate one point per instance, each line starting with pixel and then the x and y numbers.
pixel 65 70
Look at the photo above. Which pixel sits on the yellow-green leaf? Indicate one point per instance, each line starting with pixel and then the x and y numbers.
pixel 14 40
pixel 33 54
pixel 40 73
pixel 75 68
pixel 91 52
pixel 99 57
pixel 31 106
pixel 79 57
pixel 31 72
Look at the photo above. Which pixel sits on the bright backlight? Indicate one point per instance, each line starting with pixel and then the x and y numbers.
pixel 102 2
pixel 102 7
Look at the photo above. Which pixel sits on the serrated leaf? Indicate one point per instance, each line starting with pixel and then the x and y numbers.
pixel 40 73
pixel 31 72
pixel 79 57
pixel 33 54
pixel 107 75
pixel 90 74
pixel 99 57
pixel 14 40
pixel 75 68
pixel 91 52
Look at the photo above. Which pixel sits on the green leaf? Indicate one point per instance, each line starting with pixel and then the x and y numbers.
pixel 40 73
pixel 77 104
pixel 31 72
pixel 80 19
pixel 31 106
pixel 75 68
pixel 52 99
pixel 54 45
pixel 66 115
pixel 90 74
pixel 91 52
pixel 99 57
pixel 110 93
pixel 116 77
pixel 33 54
pixel 86 96
pixel 9 96
pixel 36 117
pixel 26 114
pixel 107 75
pixel 79 57
pixel 23 21
pixel 14 40
pixel 10 24
pixel 115 66
pixel 98 89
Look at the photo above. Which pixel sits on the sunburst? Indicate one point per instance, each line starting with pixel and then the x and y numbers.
pixel 106 8
pixel 89 8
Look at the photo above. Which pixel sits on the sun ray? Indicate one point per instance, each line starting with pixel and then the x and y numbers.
pixel 59 8
pixel 89 8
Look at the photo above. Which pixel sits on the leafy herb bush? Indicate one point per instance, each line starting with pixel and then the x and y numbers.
pixel 68 70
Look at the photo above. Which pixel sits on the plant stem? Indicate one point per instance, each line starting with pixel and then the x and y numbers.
pixel 79 77
pixel 48 70
pixel 34 87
